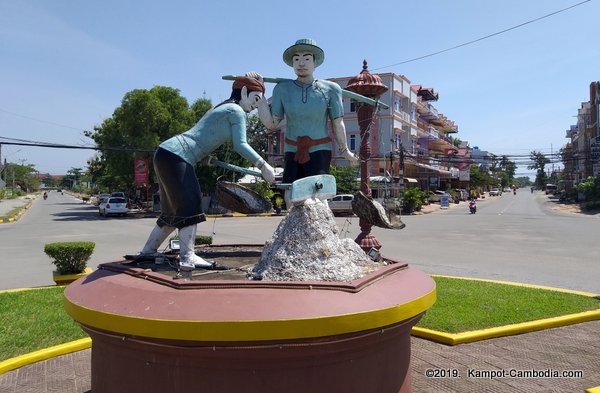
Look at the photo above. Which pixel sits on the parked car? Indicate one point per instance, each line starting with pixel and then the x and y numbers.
pixel 551 189
pixel 341 204
pixel 97 198
pixel 495 192
pixel 436 196
pixel 113 205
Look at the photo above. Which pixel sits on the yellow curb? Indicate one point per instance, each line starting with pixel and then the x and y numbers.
pixel 593 390
pixel 68 278
pixel 44 354
pixel 509 330
pixel 502 331
pixel 26 289
pixel 519 284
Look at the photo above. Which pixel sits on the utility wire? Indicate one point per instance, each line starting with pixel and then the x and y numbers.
pixel 40 120
pixel 482 38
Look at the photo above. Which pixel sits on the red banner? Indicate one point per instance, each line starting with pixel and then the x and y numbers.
pixel 140 171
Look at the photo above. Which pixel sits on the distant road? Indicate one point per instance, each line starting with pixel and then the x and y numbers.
pixel 512 237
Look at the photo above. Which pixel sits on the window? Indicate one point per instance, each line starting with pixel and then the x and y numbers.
pixel 352 142
pixel 397 104
pixel 352 106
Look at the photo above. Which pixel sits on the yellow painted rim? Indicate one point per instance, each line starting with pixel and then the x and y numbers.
pixel 44 354
pixel 593 390
pixel 72 277
pixel 226 331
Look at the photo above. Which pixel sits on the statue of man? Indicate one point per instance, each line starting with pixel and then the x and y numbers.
pixel 174 161
pixel 307 104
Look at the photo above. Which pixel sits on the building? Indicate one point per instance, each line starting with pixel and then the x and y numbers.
pixel 581 156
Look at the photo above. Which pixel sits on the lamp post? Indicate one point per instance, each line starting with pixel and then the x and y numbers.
pixel 371 86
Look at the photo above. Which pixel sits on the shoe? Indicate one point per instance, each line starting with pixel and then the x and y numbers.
pixel 188 259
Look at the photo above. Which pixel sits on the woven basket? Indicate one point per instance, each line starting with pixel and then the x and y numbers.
pixel 241 199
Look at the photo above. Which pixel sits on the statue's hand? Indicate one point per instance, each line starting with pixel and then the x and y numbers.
pixel 348 155
pixel 268 173
pixel 254 75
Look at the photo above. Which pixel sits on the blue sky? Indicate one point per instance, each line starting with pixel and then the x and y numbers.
pixel 65 65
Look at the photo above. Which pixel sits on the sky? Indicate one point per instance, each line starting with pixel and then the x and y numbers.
pixel 66 65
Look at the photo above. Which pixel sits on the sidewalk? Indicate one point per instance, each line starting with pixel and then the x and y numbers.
pixel 561 349
pixel 7 205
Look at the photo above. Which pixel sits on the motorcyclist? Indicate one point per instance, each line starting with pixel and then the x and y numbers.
pixel 45 195
pixel 472 206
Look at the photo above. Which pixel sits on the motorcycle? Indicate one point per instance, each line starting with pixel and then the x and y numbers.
pixel 472 207
pixel 45 196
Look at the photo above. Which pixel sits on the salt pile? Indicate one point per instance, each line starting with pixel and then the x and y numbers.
pixel 306 247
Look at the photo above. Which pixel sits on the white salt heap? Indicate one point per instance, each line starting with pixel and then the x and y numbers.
pixel 306 247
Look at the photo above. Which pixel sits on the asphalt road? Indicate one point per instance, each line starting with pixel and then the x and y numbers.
pixel 512 237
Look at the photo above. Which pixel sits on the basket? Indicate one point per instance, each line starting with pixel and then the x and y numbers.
pixel 238 198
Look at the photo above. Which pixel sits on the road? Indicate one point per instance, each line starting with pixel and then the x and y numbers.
pixel 512 237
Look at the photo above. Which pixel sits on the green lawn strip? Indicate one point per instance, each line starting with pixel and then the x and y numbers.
pixel 34 320
pixel 466 305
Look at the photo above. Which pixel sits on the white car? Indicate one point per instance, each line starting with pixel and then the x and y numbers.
pixel 341 204
pixel 113 205
pixel 437 195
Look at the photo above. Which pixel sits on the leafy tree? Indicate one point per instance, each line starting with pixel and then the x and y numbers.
pixel 479 178
pixel 345 178
pixel 144 119
pixel 591 189
pixel 49 181
pixel 22 176
pixel 539 162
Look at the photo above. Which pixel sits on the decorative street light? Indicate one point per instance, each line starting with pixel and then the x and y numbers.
pixel 371 86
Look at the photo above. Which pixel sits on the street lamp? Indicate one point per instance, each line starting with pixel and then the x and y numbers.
pixel 371 86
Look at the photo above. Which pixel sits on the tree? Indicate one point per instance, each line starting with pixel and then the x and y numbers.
pixel 21 176
pixel 478 178
pixel 144 119
pixel 345 178
pixel 539 162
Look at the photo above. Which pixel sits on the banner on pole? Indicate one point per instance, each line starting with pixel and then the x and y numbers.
pixel 140 171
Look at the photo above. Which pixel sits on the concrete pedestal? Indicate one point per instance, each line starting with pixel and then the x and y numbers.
pixel 250 336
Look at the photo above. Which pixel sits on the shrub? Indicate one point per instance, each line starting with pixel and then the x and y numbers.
pixel 200 239
pixel 412 199
pixel 70 257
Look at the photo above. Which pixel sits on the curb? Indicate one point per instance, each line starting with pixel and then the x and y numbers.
pixel 19 214
pixel 513 329
pixel 44 354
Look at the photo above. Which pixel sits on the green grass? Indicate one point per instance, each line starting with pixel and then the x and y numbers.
pixel 36 319
pixel 465 305
pixel 33 320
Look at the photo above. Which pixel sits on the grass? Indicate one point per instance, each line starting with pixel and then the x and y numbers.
pixel 466 305
pixel 36 319
pixel 33 320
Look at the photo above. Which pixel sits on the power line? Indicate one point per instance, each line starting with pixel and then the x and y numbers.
pixel 481 38
pixel 40 120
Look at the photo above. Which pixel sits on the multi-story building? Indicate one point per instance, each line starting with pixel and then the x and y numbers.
pixel 582 154
pixel 409 140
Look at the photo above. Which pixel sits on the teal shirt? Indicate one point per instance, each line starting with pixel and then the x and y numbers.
pixel 306 109
pixel 217 126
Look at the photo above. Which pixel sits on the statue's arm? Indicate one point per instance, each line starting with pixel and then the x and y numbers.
pixel 339 133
